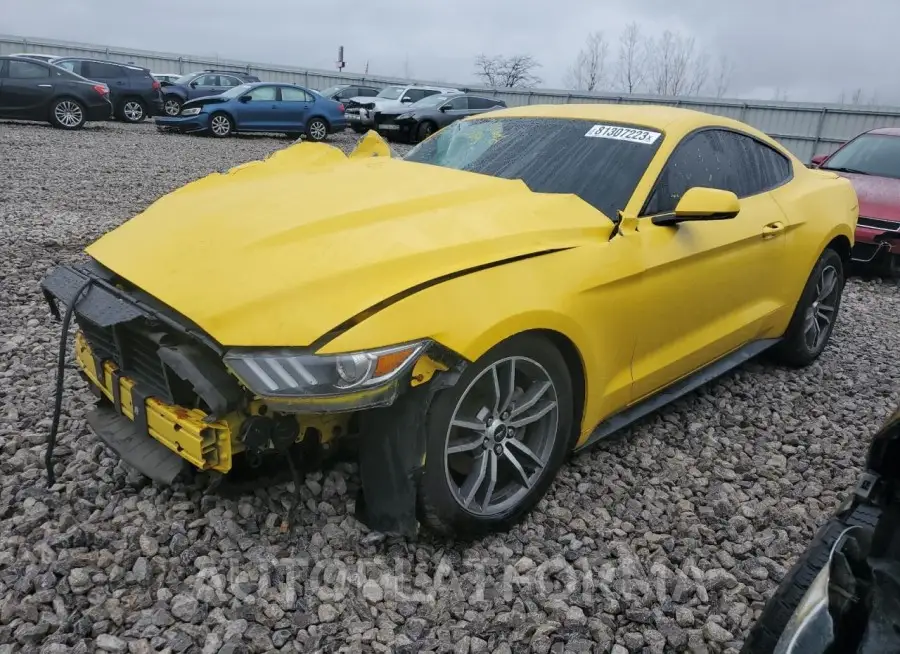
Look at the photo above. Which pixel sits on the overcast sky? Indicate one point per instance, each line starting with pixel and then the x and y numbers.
pixel 802 49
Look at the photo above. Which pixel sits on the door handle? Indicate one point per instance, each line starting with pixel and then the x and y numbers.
pixel 46 86
pixel 772 229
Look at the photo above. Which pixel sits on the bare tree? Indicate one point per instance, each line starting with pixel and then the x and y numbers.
pixel 507 72
pixel 590 68
pixel 676 68
pixel 724 73
pixel 631 68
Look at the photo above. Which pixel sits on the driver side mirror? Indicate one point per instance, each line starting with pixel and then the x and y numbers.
pixel 245 98
pixel 405 99
pixel 193 85
pixel 701 203
pixel 446 107
pixel 818 160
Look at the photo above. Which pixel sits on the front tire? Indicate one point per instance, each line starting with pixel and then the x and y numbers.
pixel 813 321
pixel 496 439
pixel 172 105
pixel 220 125
pixel 425 130
pixel 316 130
pixel 67 113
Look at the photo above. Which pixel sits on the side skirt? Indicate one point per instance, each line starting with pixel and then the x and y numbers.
pixel 677 390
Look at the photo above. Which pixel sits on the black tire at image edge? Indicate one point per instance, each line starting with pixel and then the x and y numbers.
pixel 776 614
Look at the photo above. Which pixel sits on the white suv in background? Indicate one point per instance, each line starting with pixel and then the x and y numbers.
pixel 360 111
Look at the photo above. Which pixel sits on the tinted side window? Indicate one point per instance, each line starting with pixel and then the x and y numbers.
pixel 71 66
pixel 458 104
pixel 207 80
pixel 415 94
pixel 26 70
pixel 97 70
pixel 229 81
pixel 290 94
pixel 367 92
pixel 702 159
pixel 481 103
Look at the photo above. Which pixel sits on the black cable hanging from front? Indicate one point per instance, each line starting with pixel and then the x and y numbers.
pixel 60 374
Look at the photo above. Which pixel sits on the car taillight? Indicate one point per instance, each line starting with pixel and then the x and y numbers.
pixel 341 107
pixel 155 85
pixel 102 90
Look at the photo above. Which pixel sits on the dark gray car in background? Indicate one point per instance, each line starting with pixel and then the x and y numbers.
pixel 418 121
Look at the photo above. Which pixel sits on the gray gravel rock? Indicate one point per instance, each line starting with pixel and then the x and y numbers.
pixel 670 538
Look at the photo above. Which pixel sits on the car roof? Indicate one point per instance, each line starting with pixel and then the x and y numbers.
pixel 886 131
pixel 661 117
pixel 99 61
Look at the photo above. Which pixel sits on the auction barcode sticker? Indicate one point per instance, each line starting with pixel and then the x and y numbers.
pixel 623 134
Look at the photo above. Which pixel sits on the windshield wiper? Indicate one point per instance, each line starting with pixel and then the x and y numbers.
pixel 840 169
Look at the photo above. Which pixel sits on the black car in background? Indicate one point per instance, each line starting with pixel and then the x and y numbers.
pixel 36 90
pixel 201 84
pixel 341 92
pixel 418 121
pixel 132 90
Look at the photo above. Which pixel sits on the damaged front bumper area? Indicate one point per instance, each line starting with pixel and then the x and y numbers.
pixel 171 403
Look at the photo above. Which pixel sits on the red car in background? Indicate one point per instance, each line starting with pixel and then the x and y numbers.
pixel 871 161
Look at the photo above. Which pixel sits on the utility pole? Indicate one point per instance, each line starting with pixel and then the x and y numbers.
pixel 340 58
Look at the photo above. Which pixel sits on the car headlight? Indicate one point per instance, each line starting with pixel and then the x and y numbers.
pixel 404 116
pixel 191 111
pixel 287 374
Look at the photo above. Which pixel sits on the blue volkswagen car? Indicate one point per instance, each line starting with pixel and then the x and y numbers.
pixel 260 107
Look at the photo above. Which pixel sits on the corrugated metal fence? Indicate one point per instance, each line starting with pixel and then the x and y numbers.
pixel 806 129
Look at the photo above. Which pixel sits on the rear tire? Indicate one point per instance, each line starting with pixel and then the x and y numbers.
pixel 815 315
pixel 132 110
pixel 495 447
pixel 766 631
pixel 67 113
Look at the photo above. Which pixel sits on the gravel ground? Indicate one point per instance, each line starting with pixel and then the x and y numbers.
pixel 670 539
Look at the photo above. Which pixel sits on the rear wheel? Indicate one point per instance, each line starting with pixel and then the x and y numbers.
pixel 67 113
pixel 220 125
pixel 132 110
pixel 816 312
pixel 495 440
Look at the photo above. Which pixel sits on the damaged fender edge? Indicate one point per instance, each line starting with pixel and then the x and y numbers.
pixel 392 454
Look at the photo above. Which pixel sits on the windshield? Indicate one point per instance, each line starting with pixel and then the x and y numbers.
pixel 236 91
pixel 184 79
pixel 870 154
pixel 551 155
pixel 391 92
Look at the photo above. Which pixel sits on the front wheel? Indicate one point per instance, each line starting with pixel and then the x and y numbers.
pixel 816 312
pixel 425 130
pixel 495 440
pixel 316 130
pixel 67 113
pixel 220 125
pixel 172 105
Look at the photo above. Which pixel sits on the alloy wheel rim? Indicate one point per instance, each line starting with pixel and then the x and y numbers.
pixel 133 110
pixel 317 130
pixel 220 125
pixel 821 314
pixel 501 435
pixel 172 107
pixel 68 113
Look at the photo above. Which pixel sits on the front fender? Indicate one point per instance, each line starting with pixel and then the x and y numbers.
pixel 585 294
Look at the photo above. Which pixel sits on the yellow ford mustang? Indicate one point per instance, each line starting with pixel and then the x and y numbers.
pixel 518 286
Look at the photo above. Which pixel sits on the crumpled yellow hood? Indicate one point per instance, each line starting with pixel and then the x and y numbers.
pixel 278 252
